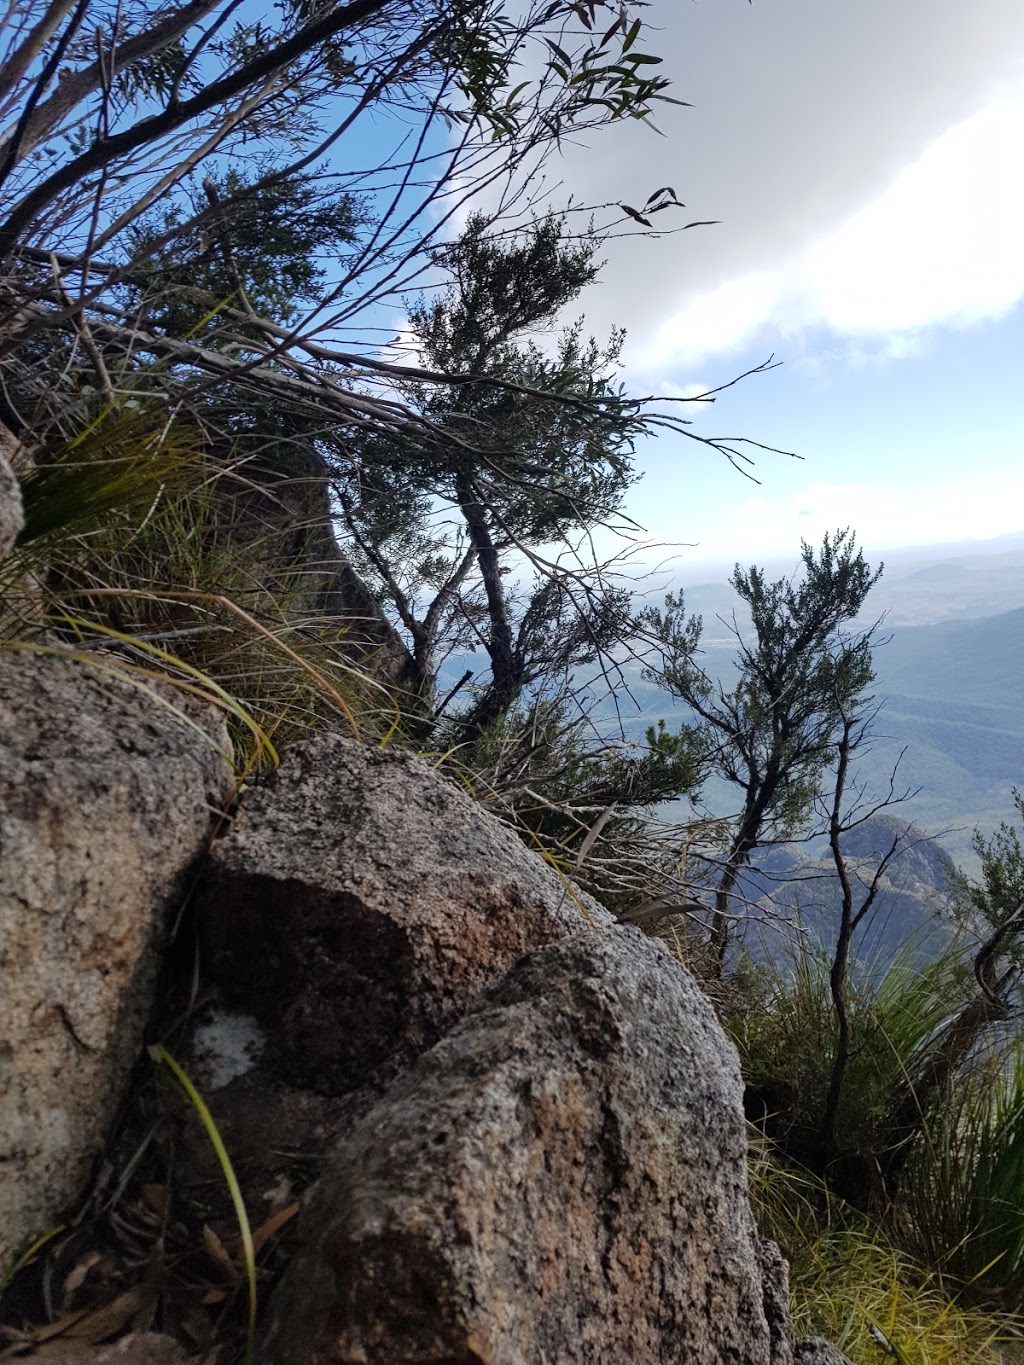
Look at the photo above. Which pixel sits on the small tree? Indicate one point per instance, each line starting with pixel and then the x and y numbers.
pixel 841 815
pixel 537 453
pixel 774 734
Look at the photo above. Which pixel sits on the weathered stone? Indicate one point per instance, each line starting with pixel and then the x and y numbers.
pixel 361 902
pixel 561 1179
pixel 818 1351
pixel 106 800
pixel 775 1285
pixel 11 517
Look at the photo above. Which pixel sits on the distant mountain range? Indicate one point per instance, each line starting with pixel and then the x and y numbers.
pixel 954 698
pixel 913 591
pixel 956 587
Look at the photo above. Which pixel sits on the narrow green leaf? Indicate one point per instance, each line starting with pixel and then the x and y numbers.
pixel 159 1054
pixel 632 35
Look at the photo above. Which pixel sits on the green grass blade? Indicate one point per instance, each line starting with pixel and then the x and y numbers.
pixel 160 1055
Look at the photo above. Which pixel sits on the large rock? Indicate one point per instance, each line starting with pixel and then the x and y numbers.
pixel 359 905
pixel 106 801
pixel 11 516
pixel 561 1179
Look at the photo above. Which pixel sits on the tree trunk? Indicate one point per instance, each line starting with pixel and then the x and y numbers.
pixel 507 672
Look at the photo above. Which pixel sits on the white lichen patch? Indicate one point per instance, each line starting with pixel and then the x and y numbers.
pixel 225 1047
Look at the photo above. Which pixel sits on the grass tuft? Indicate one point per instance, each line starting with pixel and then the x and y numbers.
pixel 852 1284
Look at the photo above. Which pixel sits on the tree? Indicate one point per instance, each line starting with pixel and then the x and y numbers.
pixel 841 814
pixel 300 78
pixel 102 130
pixel 800 675
pixel 264 253
pixel 539 453
pixel 162 179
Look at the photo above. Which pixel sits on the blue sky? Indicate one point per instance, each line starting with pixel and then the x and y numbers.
pixel 921 449
pixel 868 163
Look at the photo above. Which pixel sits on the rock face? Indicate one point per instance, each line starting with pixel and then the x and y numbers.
pixel 775 1287
pixel 527 1120
pixel 561 1179
pixel 106 800
pixel 11 519
pixel 360 904
pixel 818 1351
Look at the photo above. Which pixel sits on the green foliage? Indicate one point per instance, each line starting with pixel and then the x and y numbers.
pixel 999 895
pixel 606 75
pixel 502 286
pixel 801 685
pixel 259 246
pixel 565 459
pixel 135 557
pixel 540 748
pixel 783 1024
pixel 533 446
pixel 851 1282
pixel 193 230
pixel 962 1193
pixel 906 1232
pixel 580 800
pixel 133 453
pixel 797 675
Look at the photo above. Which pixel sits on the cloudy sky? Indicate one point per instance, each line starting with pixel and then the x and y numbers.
pixel 867 161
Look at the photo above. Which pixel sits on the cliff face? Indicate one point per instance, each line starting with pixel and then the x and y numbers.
pixel 516 1127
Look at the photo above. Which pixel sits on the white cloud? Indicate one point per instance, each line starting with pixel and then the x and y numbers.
pixel 882 517
pixel 717 322
pixel 940 246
